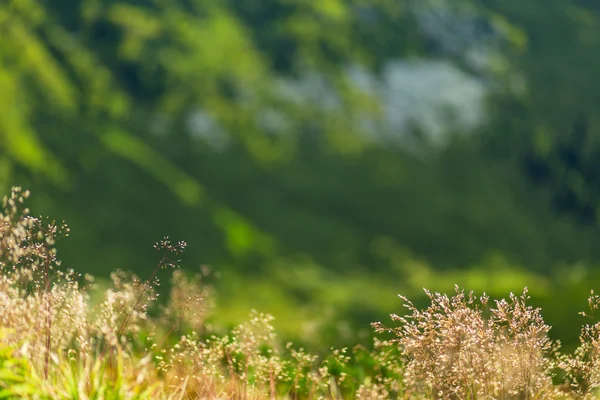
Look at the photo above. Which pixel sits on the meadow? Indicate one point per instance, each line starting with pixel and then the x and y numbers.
pixel 63 337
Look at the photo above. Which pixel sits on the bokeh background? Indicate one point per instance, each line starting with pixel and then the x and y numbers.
pixel 321 156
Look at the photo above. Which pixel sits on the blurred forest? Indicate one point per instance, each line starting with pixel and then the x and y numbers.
pixel 321 155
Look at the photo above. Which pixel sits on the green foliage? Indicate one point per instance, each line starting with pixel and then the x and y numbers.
pixel 235 124
pixel 15 376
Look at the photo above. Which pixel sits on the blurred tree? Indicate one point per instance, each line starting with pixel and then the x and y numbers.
pixel 557 136
pixel 94 84
pixel 236 125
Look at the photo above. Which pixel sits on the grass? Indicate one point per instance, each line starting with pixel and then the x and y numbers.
pixel 63 337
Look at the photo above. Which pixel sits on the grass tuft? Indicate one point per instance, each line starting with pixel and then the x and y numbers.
pixel 56 343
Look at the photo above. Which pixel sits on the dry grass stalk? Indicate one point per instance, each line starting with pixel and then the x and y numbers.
pixel 54 344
